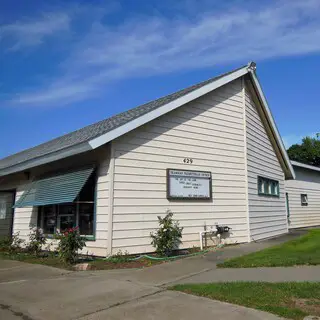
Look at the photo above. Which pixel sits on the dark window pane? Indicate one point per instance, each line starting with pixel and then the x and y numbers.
pixel 66 216
pixel 87 192
pixel 66 222
pixel 86 214
pixel 49 219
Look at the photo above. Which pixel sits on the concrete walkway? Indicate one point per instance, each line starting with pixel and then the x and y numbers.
pixel 203 269
pixel 97 296
pixel 35 292
pixel 278 274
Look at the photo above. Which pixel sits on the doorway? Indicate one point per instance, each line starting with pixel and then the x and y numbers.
pixel 288 207
pixel 6 213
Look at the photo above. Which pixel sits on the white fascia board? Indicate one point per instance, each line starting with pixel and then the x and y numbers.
pixel 107 137
pixel 273 124
pixel 306 166
pixel 54 156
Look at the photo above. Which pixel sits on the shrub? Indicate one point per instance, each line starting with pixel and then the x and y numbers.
pixel 12 243
pixel 36 240
pixel 120 257
pixel 70 242
pixel 168 237
pixel 5 243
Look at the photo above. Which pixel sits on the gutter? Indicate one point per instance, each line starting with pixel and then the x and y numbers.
pixel 269 118
pixel 53 156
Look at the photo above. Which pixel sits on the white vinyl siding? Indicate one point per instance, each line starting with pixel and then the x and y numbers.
pixel 307 182
pixel 267 214
pixel 26 217
pixel 210 131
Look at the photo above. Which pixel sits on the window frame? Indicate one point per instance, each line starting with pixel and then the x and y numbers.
pixel 77 203
pixel 268 187
pixel 304 203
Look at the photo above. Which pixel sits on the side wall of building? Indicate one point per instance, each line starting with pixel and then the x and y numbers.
pixel 267 214
pixel 24 218
pixel 210 131
pixel 307 182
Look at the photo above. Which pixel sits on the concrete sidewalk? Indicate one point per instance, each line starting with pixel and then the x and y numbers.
pixel 85 296
pixel 179 306
pixel 276 274
pixel 35 292
pixel 203 269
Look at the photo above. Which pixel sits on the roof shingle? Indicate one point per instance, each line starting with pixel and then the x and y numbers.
pixel 99 128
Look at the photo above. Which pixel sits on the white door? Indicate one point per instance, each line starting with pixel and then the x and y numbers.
pixel 6 213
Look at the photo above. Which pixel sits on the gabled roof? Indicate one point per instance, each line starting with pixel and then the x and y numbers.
pixel 102 132
pixel 303 165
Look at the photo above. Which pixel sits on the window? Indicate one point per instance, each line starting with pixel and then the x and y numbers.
pixel 304 199
pixel 268 187
pixel 59 217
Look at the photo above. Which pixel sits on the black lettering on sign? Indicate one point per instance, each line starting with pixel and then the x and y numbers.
pixel 188 160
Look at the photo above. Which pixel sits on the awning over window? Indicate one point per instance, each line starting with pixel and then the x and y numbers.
pixel 63 188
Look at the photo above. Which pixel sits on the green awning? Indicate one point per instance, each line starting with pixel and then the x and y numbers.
pixel 63 188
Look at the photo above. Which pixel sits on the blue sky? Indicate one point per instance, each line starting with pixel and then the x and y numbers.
pixel 64 65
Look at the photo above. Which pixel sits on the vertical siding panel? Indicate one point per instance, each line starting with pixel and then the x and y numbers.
pixel 203 130
pixel 24 218
pixel 307 182
pixel 267 215
pixel 99 246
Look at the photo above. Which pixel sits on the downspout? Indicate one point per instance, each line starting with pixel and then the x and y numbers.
pixel 111 200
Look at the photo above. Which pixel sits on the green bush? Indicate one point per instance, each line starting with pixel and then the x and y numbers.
pixel 12 243
pixel 70 242
pixel 5 243
pixel 168 237
pixel 36 240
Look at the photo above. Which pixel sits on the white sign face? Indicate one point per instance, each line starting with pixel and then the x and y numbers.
pixel 189 184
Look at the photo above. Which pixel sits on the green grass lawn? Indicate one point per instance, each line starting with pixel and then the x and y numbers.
pixel 290 300
pixel 304 250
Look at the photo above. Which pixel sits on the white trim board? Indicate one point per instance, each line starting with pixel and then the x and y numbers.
pixel 113 134
pixel 272 122
pixel 109 136
pixel 306 166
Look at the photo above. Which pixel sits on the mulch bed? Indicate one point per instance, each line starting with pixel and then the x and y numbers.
pixel 135 264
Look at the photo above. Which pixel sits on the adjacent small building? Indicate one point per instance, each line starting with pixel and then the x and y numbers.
pixel 210 153
pixel 303 196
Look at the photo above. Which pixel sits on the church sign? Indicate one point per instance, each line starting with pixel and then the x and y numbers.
pixel 187 184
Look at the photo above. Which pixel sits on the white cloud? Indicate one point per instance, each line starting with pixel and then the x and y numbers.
pixel 150 45
pixel 291 139
pixel 30 33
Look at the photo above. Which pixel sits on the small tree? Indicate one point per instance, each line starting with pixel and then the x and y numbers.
pixel 69 245
pixel 36 240
pixel 307 152
pixel 168 237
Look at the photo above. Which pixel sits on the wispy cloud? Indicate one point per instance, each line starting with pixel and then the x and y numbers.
pixel 150 45
pixel 291 139
pixel 28 33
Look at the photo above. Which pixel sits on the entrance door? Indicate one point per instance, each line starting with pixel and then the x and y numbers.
pixel 6 213
pixel 288 207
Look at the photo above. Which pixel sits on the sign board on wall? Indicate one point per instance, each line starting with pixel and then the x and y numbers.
pixel 187 184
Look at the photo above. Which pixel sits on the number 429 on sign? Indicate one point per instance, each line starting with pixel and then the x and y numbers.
pixel 187 160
